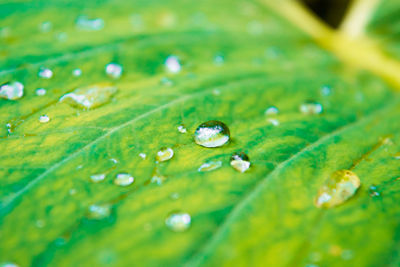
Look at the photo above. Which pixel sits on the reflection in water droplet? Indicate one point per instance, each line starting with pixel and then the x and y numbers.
pixel 99 212
pixel 212 134
pixel 311 108
pixel 340 186
pixel 158 179
pixel 40 91
pixel 373 191
pixel 164 154
pixel 182 129
pixel 172 64
pixel 11 90
pixel 209 166
pixel 240 162
pixel 142 155
pixel 274 122
pixel 84 23
pixel 89 97
pixel 95 178
pixel 124 179
pixel 272 110
pixel 77 72
pixel 45 73
pixel 178 221
pixel 114 70
pixel 44 119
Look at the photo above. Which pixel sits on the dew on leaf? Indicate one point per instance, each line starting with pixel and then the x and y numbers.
pixel 174 196
pixel 164 154
pixel 45 26
pixel 113 160
pixel 272 110
pixel 114 70
pixel 157 179
pixel 212 134
pixel 99 212
pixel 77 72
pixel 219 59
pixel 166 81
pixel 45 73
pixel 178 221
pixel 89 97
pixel 96 178
pixel 311 108
pixel 40 91
pixel 373 191
pixel 87 24
pixel 336 190
pixel 124 179
pixel 274 122
pixel 326 90
pixel 11 90
pixel 172 64
pixel 40 223
pixel 209 166
pixel 182 129
pixel 240 162
pixel 72 191
pixel 44 119
pixel 142 155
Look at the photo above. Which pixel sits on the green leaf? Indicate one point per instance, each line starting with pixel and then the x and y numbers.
pixel 238 58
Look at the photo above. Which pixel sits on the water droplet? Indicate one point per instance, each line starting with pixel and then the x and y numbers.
pixel 272 110
pixel 76 72
pixel 114 70
pixel 89 97
pixel 96 178
pixel 45 26
pixel 326 90
pixel 209 166
pixel 182 129
pixel 44 119
pixel 216 92
pixel 164 154
pixel 157 179
pixel 311 108
pixel 397 155
pixel 142 155
pixel 12 90
pixel 212 134
pixel 115 161
pixel 84 23
pixel 40 91
pixel 8 264
pixel 178 221
pixel 174 196
pixel 72 191
pixel 45 73
pixel 341 186
pixel 373 191
pixel 99 212
pixel 219 59
pixel 61 36
pixel 172 64
pixel 124 179
pixel 274 122
pixel 240 162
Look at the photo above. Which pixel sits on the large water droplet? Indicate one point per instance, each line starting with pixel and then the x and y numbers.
pixel 240 162
pixel 45 73
pixel 44 119
pixel 89 97
pixel 40 91
pixel 212 134
pixel 172 64
pixel 164 154
pixel 340 186
pixel 11 90
pixel 114 70
pixel 272 110
pixel 84 23
pixel 96 178
pixel 178 221
pixel 209 166
pixel 124 179
pixel 99 212
pixel 311 108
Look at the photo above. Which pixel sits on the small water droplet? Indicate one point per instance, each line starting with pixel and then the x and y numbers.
pixel 44 119
pixel 164 154
pixel 142 155
pixel 272 110
pixel 209 166
pixel 240 162
pixel 45 26
pixel 96 178
pixel 373 191
pixel 72 191
pixel 216 92
pixel 397 155
pixel 124 179
pixel 178 221
pixel 274 122
pixel 326 90
pixel 172 64
pixel 40 91
pixel 212 134
pixel 61 36
pixel 8 264
pixel 166 81
pixel 182 129
pixel 11 90
pixel 77 72
pixel 311 108
pixel 84 23
pixel 174 196
pixel 89 97
pixel 45 73
pixel 158 179
pixel 340 186
pixel 99 212
pixel 114 70
pixel 219 59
